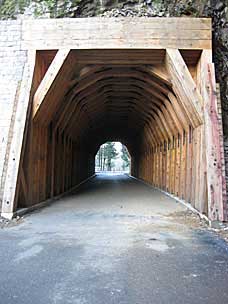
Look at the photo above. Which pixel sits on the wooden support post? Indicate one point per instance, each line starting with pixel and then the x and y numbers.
pixel 9 195
pixel 215 178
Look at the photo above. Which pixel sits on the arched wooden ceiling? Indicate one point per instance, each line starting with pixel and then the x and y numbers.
pixel 119 102
pixel 138 104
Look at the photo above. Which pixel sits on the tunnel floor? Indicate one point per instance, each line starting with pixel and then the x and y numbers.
pixel 116 241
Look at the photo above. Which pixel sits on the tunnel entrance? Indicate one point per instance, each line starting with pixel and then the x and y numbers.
pixel 113 157
pixel 152 94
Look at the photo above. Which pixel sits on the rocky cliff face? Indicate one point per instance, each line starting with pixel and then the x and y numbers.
pixel 217 9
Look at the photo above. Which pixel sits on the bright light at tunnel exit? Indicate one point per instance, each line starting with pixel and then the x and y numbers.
pixel 112 157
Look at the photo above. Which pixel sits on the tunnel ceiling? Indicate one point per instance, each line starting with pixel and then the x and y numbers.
pixel 114 95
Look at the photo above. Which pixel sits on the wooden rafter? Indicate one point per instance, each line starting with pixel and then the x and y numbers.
pixel 184 86
pixel 48 80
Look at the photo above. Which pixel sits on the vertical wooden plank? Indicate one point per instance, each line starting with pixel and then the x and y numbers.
pixel 35 173
pixel 194 166
pixel 217 207
pixel 67 163
pixel 168 168
pixel 164 166
pixel 219 109
pixel 63 163
pixel 215 179
pixel 157 166
pixel 41 181
pixel 49 161
pixel 189 179
pixel 173 160
pixel 40 165
pixel 183 166
pixel 53 155
pixel 45 158
pixel 160 167
pixel 71 162
pixel 177 166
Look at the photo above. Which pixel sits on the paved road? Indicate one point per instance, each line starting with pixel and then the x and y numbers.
pixel 116 241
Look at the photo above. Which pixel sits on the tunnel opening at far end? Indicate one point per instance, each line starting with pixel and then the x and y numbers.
pixel 113 157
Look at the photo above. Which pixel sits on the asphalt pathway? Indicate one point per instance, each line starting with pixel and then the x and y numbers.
pixel 116 241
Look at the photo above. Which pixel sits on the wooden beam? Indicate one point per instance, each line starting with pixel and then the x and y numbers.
pixel 9 195
pixel 184 86
pixel 54 73
pixel 107 33
pixel 179 111
pixel 215 178
pixel 159 72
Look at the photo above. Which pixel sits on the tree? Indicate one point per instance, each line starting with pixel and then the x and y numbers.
pixel 110 154
pixel 106 154
pixel 125 157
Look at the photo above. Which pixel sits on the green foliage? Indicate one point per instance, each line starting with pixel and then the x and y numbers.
pixel 46 6
pixel 57 8
pixel 10 8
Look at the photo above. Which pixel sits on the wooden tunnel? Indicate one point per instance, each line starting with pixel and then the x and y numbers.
pixel 149 83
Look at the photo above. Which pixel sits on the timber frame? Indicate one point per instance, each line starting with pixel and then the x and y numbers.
pixel 148 82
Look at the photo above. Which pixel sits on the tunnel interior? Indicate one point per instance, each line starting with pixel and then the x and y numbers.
pixel 108 95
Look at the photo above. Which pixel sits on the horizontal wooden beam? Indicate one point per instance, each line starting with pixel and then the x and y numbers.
pixel 110 33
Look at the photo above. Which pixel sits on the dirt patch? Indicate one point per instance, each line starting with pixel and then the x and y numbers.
pixel 188 218
pixel 193 221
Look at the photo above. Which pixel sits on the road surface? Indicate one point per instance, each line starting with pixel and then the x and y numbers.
pixel 116 241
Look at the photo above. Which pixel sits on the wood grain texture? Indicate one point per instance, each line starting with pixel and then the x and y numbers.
pixel 118 33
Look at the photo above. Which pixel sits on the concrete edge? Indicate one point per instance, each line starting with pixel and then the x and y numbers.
pixel 189 206
pixel 45 203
